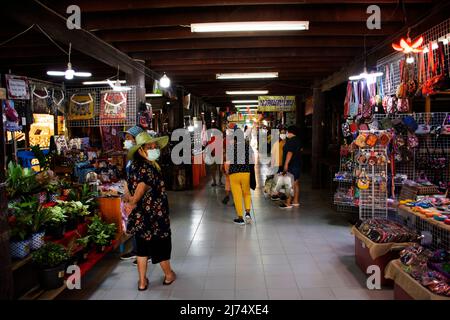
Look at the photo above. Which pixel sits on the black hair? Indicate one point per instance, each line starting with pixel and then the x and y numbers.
pixel 292 129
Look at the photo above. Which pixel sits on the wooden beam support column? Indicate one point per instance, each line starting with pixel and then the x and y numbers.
pixel 137 78
pixel 317 135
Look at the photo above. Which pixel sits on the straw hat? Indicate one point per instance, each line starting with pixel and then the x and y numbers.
pixel 144 138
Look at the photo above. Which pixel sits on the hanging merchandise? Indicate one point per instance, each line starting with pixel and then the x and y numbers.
pixel 61 144
pixel 424 128
pixel 11 116
pixel 113 107
pixel 17 87
pixel 410 123
pixel 354 99
pixel 23 108
pixel 81 106
pixel 421 75
pixel 145 116
pixel 438 79
pixel 445 129
pixel 366 105
pixel 58 100
pixel 348 98
pixel 40 100
pixel 363 182
pixel 402 89
pixel 111 140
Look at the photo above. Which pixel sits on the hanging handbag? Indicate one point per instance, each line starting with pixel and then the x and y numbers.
pixel 403 105
pixel 371 140
pixel 346 129
pixel 413 141
pixel 445 128
pixel 386 123
pixel 361 140
pixel 401 91
pixel 354 100
pixel 367 107
pixel 363 182
pixel 81 107
pixel 384 139
pixel 348 98
pixel 421 74
pixel 423 128
pixel 410 123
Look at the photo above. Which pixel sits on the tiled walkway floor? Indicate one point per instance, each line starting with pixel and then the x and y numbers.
pixel 301 253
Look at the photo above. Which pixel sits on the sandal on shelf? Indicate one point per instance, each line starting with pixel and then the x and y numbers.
pixel 165 283
pixel 146 286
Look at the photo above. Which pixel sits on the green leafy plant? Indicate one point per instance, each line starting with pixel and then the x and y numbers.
pixel 65 184
pixel 50 255
pixel 88 197
pixel 57 215
pixel 84 241
pixel 74 209
pixel 53 187
pixel 20 222
pixel 101 232
pixel 20 180
pixel 29 206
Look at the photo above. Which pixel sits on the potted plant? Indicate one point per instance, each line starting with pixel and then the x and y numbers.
pixel 74 211
pixel 53 191
pixel 55 225
pixel 88 197
pixel 50 261
pixel 20 181
pixel 66 187
pixel 84 244
pixel 39 217
pixel 101 233
pixel 20 225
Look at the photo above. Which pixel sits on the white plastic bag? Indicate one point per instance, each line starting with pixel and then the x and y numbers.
pixel 285 182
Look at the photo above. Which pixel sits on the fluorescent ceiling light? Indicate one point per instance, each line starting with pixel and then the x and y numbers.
pixel 153 95
pixel 249 92
pixel 250 26
pixel 244 101
pixel 247 106
pixel 90 83
pixel 247 75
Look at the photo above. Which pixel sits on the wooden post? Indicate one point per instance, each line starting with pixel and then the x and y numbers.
pixel 317 136
pixel 427 104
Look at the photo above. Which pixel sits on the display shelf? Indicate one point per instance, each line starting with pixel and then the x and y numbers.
pixel 16 264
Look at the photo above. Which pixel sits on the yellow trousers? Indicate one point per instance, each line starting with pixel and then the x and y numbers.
pixel 240 188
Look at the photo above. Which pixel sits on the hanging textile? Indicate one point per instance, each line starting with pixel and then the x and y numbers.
pixel 113 107
pixel 40 100
pixel 111 140
pixel 81 106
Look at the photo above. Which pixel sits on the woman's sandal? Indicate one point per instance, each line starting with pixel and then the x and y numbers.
pixel 146 286
pixel 165 283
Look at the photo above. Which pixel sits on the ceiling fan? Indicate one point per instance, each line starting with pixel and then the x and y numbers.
pixel 69 74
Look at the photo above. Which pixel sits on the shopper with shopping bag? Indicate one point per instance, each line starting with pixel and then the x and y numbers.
pixel 291 164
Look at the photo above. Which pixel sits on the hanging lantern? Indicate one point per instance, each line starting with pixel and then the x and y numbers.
pixel 408 46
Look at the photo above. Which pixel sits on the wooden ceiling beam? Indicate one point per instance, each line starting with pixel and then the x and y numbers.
pixel 198 62
pixel 254 66
pixel 238 43
pixel 120 5
pixel 248 53
pixel 186 16
pixel 315 29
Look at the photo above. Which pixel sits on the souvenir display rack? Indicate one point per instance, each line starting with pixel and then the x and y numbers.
pixel 97 93
pixel 373 200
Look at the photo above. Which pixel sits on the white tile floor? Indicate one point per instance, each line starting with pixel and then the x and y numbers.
pixel 301 253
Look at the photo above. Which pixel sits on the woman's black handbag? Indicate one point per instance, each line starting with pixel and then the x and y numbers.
pixel 252 177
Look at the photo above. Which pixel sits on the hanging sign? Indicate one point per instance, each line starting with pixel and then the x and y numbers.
pixel 17 87
pixel 276 103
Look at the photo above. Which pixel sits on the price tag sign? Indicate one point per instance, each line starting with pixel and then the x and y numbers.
pixel 17 87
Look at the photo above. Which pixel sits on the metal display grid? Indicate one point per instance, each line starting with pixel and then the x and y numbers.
pixel 95 122
pixel 441 237
pixel 373 201
pixel 427 143
pixel 344 185
pixel 436 33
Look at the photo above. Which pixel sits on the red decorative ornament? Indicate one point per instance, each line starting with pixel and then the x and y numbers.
pixel 407 46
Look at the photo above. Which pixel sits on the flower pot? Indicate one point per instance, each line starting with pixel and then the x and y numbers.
pixel 56 232
pixel 37 240
pixel 72 224
pixel 20 249
pixel 52 278
pixel 53 197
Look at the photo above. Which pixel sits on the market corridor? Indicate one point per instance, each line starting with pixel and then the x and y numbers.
pixel 299 253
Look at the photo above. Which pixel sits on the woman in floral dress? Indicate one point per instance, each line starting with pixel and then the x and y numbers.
pixel 149 221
